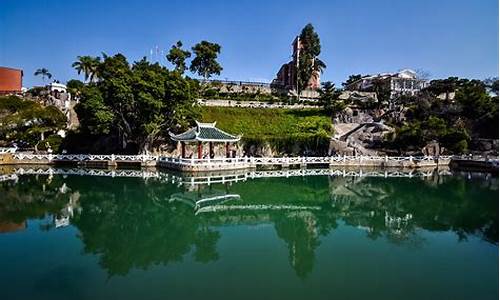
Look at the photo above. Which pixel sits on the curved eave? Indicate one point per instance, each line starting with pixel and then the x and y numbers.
pixel 198 139
pixel 218 141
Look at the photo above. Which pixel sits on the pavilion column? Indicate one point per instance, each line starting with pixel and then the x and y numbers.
pixel 200 149
pixel 183 150
pixel 227 150
pixel 210 149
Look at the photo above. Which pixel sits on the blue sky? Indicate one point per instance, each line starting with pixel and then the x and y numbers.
pixel 442 37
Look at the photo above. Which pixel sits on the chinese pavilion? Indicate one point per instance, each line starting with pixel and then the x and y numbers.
pixel 205 133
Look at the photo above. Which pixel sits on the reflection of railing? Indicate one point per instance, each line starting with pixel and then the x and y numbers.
pixel 230 177
pixel 88 172
pixel 195 180
pixel 7 177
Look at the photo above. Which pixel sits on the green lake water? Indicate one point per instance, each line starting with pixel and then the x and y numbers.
pixel 311 237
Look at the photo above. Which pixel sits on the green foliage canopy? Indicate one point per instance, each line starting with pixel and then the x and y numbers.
pixel 136 104
pixel 329 98
pixel 24 121
pixel 205 61
pixel 178 57
pixel 309 63
pixel 88 65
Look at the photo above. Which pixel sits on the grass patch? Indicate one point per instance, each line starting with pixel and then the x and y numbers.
pixel 258 123
pixel 286 130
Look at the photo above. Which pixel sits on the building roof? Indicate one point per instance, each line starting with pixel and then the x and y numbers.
pixel 403 74
pixel 204 132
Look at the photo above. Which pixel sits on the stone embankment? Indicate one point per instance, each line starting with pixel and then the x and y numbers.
pixel 197 165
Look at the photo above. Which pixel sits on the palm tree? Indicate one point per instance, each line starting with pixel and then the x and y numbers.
pixel 88 65
pixel 44 73
pixel 319 65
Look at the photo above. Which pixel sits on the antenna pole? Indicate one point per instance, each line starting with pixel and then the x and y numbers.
pixel 298 64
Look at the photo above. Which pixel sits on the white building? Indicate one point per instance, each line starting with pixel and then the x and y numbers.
pixel 404 82
pixel 57 87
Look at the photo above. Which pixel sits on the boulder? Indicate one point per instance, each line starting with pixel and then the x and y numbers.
pixel 433 148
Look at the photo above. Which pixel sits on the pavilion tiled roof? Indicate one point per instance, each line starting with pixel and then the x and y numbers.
pixel 205 132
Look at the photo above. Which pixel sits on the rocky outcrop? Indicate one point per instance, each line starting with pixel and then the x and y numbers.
pixel 358 139
pixel 485 146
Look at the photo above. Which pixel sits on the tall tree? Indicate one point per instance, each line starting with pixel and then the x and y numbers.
pixel 88 65
pixel 205 62
pixel 445 86
pixel 329 98
pixel 75 87
pixel 382 89
pixel 309 64
pixel 44 73
pixel 351 79
pixel 178 57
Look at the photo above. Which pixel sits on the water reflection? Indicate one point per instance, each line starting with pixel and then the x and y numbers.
pixel 160 219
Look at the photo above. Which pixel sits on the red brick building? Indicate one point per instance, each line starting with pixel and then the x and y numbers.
pixel 11 80
pixel 286 77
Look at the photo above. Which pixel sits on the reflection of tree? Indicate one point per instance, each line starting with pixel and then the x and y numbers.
pixel 452 203
pixel 132 223
pixel 299 232
pixel 206 241
pixel 30 198
pixel 129 229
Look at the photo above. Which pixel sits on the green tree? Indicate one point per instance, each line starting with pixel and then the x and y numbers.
pixel 479 108
pixel 329 98
pixel 382 89
pixel 44 73
pixel 205 61
pixel 492 85
pixel 27 122
pixel 309 64
pixel 178 57
pixel 88 65
pixel 351 79
pixel 75 87
pixel 136 105
pixel 445 86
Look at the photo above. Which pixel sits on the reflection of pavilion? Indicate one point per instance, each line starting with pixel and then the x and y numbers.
pixel 397 225
pixel 354 189
pixel 296 224
pixel 203 197
pixel 206 199
pixel 62 219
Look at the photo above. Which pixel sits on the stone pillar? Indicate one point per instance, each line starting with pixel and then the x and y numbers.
pixel 200 149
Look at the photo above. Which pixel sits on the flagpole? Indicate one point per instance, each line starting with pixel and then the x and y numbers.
pixel 297 75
